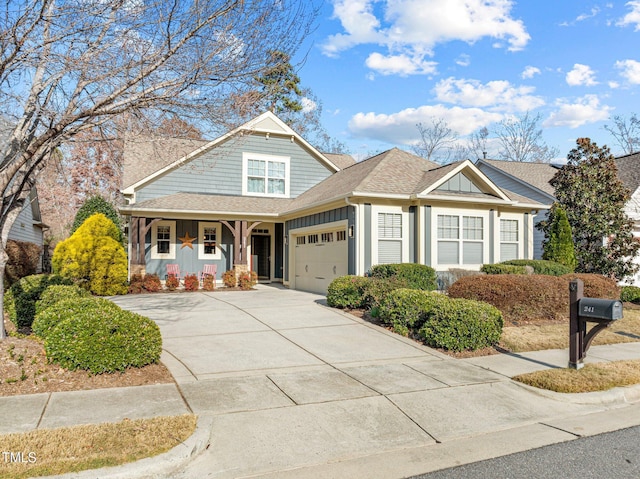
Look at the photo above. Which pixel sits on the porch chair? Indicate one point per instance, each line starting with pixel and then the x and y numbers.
pixel 208 270
pixel 173 270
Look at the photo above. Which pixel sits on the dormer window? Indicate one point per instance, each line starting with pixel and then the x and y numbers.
pixel 265 175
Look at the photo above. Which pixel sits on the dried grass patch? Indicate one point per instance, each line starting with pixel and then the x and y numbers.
pixel 78 448
pixel 592 377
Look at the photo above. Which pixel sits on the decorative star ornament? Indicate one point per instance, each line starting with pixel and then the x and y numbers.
pixel 187 240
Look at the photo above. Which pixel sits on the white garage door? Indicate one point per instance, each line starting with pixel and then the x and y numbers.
pixel 319 258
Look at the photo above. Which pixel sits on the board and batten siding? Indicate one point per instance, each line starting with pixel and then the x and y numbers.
pixel 504 181
pixel 219 170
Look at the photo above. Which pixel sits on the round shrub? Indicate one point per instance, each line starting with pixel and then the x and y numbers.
pixel 59 292
pixel 247 280
pixel 541 266
pixel 595 285
pixel 229 279
pixel 503 269
pixel 630 294
pixel 97 204
pixel 417 276
pixel 112 342
pixel 49 318
pixel 461 325
pixel 151 283
pixel 347 292
pixel 406 309
pixel 191 282
pixel 25 293
pixel 377 289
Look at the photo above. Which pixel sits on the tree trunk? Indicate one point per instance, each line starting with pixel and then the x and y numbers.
pixel 3 264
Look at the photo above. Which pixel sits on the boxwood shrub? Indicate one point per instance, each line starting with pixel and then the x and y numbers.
pixel 630 294
pixel 47 319
pixel 417 276
pixel 500 268
pixel 461 324
pixel 25 293
pixel 347 292
pixel 111 342
pixel 541 266
pixel 406 309
pixel 59 292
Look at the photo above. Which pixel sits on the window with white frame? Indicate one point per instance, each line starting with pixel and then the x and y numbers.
pixel 163 240
pixel 389 238
pixel 454 248
pixel 509 236
pixel 209 240
pixel 265 175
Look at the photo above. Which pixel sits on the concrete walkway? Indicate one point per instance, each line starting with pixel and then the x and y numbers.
pixel 286 387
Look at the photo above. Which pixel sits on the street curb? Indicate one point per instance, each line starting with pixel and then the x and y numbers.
pixel 158 466
pixel 618 395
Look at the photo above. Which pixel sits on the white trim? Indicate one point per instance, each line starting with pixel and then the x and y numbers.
pixel 172 240
pixel 218 227
pixel 404 212
pixel 286 160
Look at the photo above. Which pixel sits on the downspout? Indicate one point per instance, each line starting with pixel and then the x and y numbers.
pixel 356 253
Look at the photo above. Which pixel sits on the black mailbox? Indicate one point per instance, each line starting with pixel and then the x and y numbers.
pixel 607 309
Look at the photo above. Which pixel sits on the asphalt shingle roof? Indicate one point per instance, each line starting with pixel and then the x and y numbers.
pixel 537 175
pixel 629 170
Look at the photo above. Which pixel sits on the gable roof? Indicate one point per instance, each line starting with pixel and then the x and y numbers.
pixel 267 123
pixel 535 175
pixel 341 160
pixel 629 170
pixel 402 175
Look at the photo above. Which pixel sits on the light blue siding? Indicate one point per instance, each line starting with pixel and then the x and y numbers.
pixel 24 230
pixel 219 171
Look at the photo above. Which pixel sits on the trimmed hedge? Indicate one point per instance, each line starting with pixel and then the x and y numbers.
pixel 20 303
pixel 111 342
pixel 59 292
pixel 503 269
pixel 630 294
pixel 47 319
pixel 541 266
pixel 522 298
pixel 23 259
pixel 461 324
pixel 417 276
pixel 347 292
pixel 406 309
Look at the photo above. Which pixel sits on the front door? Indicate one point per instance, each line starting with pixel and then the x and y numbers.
pixel 261 255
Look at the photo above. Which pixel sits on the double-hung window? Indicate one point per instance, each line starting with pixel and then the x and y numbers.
pixel 265 175
pixel 389 238
pixel 209 240
pixel 163 240
pixel 460 239
pixel 509 236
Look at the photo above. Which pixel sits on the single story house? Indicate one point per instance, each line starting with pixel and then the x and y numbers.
pixel 262 197
pixel 531 180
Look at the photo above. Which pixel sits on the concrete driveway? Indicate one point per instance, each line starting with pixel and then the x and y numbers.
pixel 292 385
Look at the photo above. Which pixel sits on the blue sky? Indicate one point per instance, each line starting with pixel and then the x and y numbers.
pixel 381 66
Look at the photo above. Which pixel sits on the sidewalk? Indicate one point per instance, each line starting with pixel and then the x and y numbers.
pixel 285 387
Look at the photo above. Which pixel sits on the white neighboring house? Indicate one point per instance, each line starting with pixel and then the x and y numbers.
pixel 532 181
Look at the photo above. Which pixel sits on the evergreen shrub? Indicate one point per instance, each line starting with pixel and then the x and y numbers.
pixel 347 292
pixel 47 319
pixel 417 276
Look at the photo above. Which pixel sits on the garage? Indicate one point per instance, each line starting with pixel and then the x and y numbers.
pixel 319 257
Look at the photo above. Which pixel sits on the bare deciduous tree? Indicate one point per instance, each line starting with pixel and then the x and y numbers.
pixel 626 132
pixel 436 140
pixel 521 140
pixel 479 142
pixel 70 66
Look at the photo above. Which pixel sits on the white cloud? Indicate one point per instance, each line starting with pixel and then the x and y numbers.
pixel 584 16
pixel 572 115
pixel 614 84
pixel 530 72
pixel 308 104
pixel 463 60
pixel 581 75
pixel 630 70
pixel 402 65
pixel 412 28
pixel 400 127
pixel 495 95
pixel 633 17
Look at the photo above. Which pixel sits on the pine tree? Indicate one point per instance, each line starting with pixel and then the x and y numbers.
pixel 559 245
pixel 589 190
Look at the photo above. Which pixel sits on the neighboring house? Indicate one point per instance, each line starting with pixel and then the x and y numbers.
pixel 263 197
pixel 28 226
pixel 530 180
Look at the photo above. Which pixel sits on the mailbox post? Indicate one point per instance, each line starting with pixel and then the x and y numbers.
pixel 582 310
